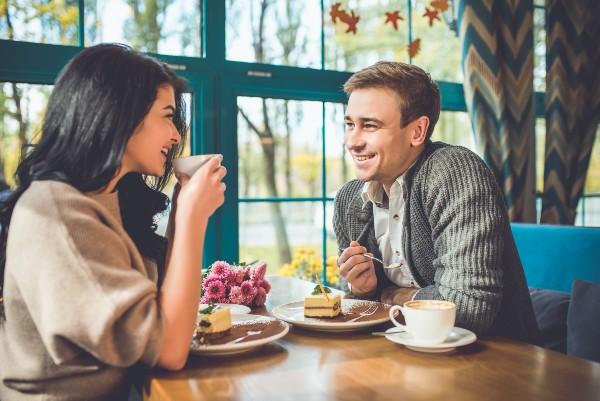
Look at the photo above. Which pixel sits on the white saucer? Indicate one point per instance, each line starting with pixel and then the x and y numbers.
pixel 457 338
pixel 235 308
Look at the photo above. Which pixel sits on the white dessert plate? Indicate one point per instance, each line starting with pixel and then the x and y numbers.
pixel 457 338
pixel 235 308
pixel 250 332
pixel 356 314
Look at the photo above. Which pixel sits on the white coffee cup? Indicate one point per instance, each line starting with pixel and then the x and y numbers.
pixel 427 321
pixel 189 164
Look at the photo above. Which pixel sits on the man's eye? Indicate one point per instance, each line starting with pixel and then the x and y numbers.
pixel 349 125
pixel 170 116
pixel 370 126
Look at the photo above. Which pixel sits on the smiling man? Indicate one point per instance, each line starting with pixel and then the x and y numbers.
pixel 432 209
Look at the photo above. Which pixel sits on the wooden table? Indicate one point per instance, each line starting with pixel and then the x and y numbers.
pixel 307 365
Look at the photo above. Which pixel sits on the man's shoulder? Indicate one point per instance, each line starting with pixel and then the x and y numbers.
pixel 443 151
pixel 349 190
pixel 442 158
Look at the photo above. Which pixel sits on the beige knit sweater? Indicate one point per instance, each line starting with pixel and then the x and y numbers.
pixel 80 301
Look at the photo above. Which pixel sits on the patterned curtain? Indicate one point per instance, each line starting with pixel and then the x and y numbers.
pixel 497 60
pixel 572 103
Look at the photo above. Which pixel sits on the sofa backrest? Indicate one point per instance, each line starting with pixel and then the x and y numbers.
pixel 553 256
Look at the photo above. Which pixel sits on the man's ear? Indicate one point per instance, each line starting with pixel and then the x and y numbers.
pixel 418 131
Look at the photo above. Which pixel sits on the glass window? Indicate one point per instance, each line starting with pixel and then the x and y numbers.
pixel 338 163
pixel 22 108
pixel 277 231
pixel 374 39
pixel 539 50
pixel 41 21
pixel 166 27
pixel 279 148
pixel 454 127
pixel 438 42
pixel 285 32
pixel 540 155
pixel 589 205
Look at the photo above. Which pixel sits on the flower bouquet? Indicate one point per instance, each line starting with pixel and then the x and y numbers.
pixel 243 284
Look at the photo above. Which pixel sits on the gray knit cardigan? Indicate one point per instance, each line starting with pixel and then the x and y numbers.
pixel 457 241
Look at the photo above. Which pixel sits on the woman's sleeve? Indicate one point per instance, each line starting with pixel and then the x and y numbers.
pixel 76 274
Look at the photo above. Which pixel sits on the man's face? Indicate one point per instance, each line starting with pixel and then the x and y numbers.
pixel 379 145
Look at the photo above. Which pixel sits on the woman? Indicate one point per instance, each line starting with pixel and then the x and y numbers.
pixel 89 289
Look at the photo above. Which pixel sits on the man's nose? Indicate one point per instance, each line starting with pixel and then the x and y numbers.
pixel 354 139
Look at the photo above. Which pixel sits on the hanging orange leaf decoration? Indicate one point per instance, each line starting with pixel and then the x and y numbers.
pixel 393 17
pixel 440 5
pixel 431 14
pixel 351 20
pixel 414 47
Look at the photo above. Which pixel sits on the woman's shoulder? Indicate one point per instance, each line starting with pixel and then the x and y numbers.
pixel 53 197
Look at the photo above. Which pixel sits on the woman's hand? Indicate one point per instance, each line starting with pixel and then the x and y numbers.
pixel 197 199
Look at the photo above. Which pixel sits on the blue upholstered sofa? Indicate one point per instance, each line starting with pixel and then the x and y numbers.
pixel 554 256
pixel 562 267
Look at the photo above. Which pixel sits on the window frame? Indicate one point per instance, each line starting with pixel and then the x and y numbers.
pixel 216 83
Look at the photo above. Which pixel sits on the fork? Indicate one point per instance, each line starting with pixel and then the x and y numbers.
pixel 368 312
pixel 248 333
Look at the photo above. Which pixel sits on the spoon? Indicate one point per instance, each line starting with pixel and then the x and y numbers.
pixel 394 265
pixel 248 333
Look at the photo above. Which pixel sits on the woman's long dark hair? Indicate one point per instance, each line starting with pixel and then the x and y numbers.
pixel 99 99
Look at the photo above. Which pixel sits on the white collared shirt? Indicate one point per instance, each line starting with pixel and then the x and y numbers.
pixel 389 225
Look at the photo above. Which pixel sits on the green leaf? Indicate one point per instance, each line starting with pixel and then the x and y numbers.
pixel 317 290
pixel 209 309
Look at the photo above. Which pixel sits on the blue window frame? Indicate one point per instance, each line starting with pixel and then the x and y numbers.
pixel 217 84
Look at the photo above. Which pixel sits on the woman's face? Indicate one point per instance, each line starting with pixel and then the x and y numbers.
pixel 147 149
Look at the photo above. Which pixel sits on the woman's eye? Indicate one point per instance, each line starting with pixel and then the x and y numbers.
pixel 349 125
pixel 170 116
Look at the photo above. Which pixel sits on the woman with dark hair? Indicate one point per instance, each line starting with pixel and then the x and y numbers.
pixel 88 288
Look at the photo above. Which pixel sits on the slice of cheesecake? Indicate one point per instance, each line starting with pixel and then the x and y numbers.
pixel 320 305
pixel 213 321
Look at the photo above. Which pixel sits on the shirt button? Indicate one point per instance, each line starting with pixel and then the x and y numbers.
pixel 396 217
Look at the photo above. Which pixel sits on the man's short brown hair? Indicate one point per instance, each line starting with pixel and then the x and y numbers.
pixel 419 94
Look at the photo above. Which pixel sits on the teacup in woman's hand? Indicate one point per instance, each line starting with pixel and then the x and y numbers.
pixel 188 165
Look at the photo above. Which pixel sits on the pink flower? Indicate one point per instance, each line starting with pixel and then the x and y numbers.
pixel 206 299
pixel 223 271
pixel 240 276
pixel 263 284
pixel 219 267
pixel 214 289
pixel 258 273
pixel 248 291
pixel 261 297
pixel 235 295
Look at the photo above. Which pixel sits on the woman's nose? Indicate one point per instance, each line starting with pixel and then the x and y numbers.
pixel 176 136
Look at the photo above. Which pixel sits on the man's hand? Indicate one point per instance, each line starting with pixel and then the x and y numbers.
pixel 397 296
pixel 357 269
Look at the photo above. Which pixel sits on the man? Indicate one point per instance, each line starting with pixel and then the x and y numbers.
pixel 434 209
